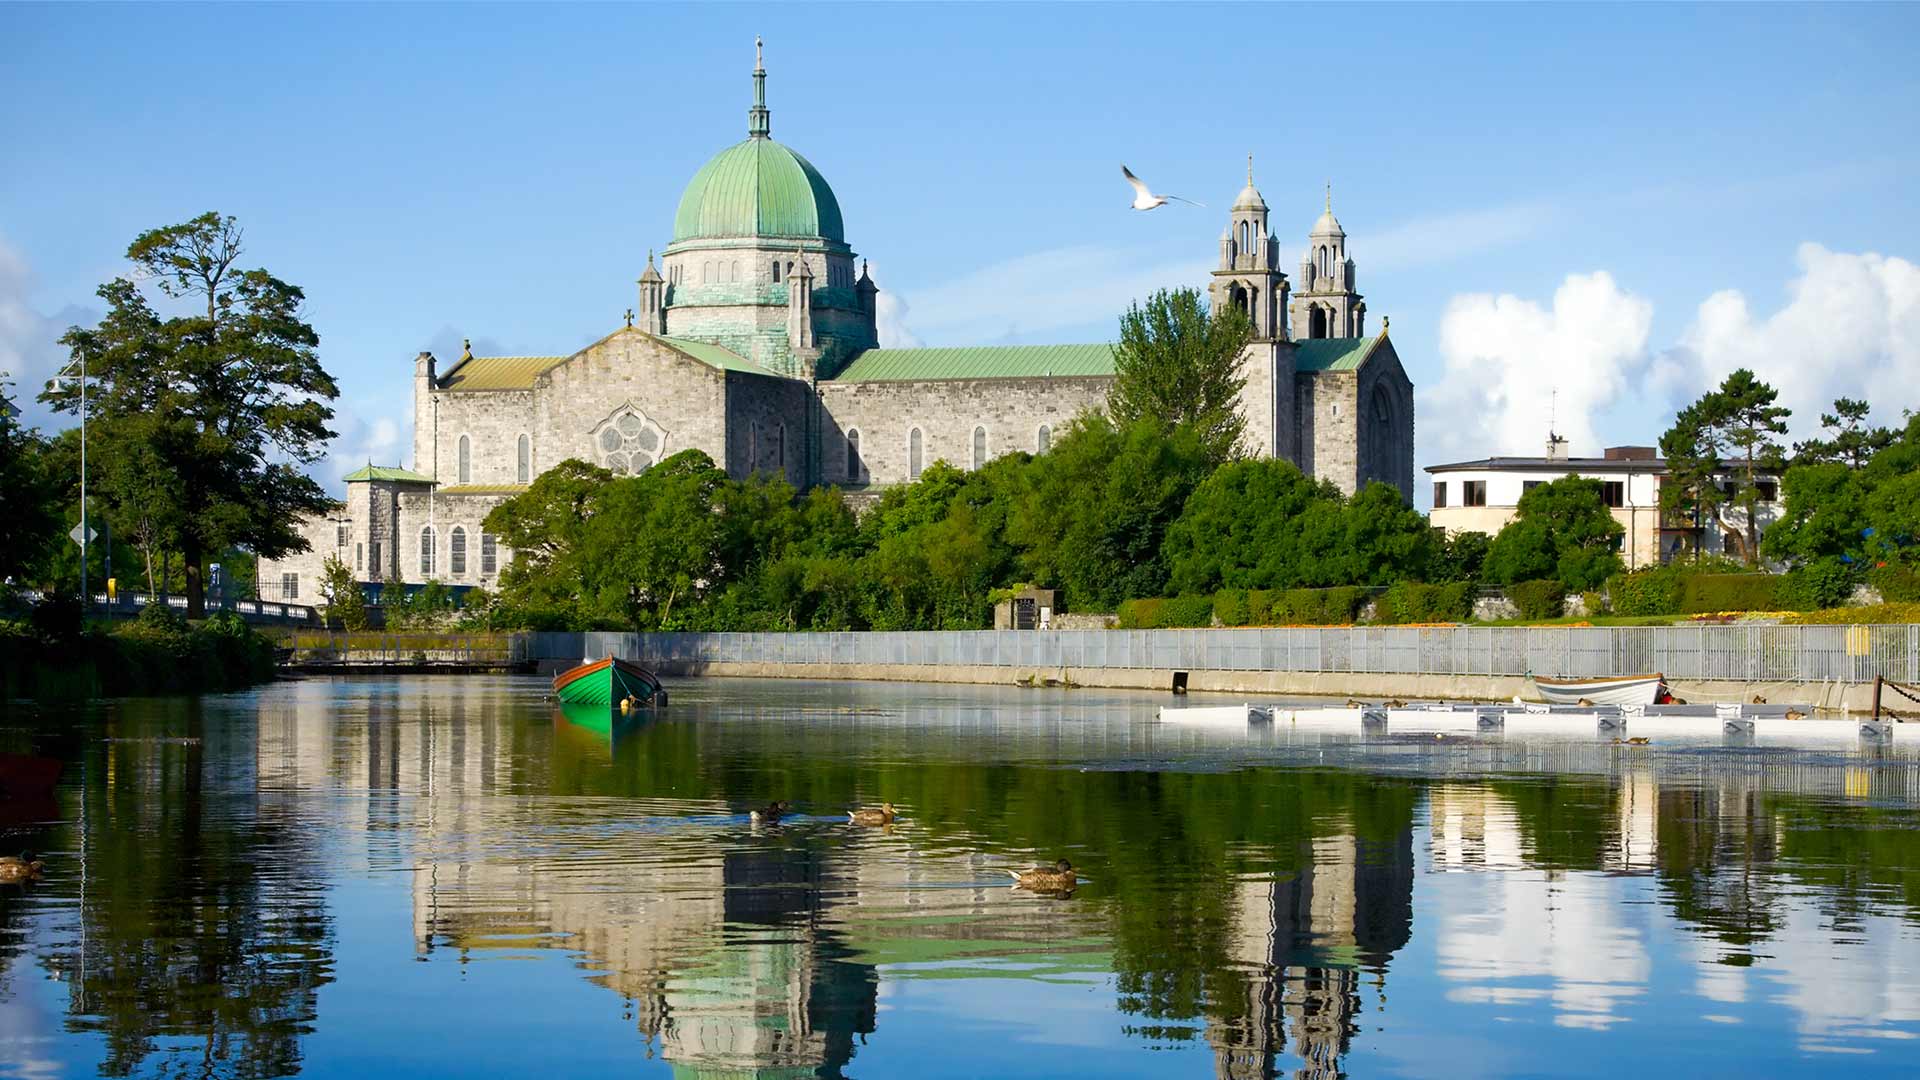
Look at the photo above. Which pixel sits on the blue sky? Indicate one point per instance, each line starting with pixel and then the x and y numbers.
pixel 1603 208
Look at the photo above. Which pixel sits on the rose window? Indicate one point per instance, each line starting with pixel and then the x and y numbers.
pixel 629 442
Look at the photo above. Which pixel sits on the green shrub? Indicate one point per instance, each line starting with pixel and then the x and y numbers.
pixel 1542 599
pixel 1317 607
pixel 1898 584
pixel 1822 583
pixel 1650 591
pixel 1418 602
pixel 1595 602
pixel 1166 613
pixel 1728 592
pixel 1231 608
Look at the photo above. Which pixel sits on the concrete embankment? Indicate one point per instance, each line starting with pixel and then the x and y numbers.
pixel 1240 666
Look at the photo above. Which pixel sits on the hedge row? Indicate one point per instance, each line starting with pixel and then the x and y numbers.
pixel 1417 602
pixel 1672 590
pixel 1168 613
pixel 156 653
pixel 1543 599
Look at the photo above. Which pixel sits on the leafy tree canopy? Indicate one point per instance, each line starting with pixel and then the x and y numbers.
pixel 1179 364
pixel 1850 440
pixel 1719 451
pixel 227 401
pixel 1561 530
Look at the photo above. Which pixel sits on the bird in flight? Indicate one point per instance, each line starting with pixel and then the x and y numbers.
pixel 1147 200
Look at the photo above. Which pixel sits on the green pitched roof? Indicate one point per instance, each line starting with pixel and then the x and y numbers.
pixel 758 188
pixel 497 372
pixel 1333 354
pixel 388 472
pixel 985 362
pixel 715 356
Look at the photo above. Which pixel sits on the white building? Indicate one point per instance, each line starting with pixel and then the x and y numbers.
pixel 1482 496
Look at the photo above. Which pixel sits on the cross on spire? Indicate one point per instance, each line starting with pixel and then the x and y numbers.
pixel 1329 196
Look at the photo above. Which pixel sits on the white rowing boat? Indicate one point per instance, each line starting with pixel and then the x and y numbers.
pixel 1611 690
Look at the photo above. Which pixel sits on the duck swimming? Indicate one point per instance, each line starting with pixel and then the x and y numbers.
pixel 1056 878
pixel 772 812
pixel 884 815
pixel 19 869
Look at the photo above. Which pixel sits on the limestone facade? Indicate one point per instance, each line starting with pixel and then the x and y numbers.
pixel 754 339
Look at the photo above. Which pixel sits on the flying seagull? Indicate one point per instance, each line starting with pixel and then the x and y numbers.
pixel 1147 200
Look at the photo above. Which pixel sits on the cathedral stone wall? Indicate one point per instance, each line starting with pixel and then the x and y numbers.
pixel 946 412
pixel 767 427
pixel 1384 443
pixel 492 421
pixel 684 399
pixel 444 512
pixel 1327 427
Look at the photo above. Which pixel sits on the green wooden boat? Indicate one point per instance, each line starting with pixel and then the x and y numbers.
pixel 607 683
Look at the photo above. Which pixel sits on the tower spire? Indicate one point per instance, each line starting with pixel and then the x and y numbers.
pixel 758 122
pixel 1249 168
pixel 1329 196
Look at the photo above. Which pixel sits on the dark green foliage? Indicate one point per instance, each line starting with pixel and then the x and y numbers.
pixel 1822 583
pixel 157 652
pixel 1263 524
pixel 1230 607
pixel 30 520
pixel 1462 557
pixel 1651 591
pixel 1717 452
pixel 1542 599
pixel 1865 516
pixel 1416 602
pixel 1705 593
pixel 1169 613
pixel 1178 365
pixel 1561 530
pixel 1850 440
pixel 212 414
pixel 1337 606
pixel 346 603
pixel 1898 583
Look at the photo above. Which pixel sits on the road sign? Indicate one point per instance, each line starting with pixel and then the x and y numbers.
pixel 79 538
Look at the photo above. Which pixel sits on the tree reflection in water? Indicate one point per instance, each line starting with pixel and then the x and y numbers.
pixel 1255 911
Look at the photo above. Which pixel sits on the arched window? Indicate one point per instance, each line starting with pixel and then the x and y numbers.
pixel 913 454
pixel 523 470
pixel 789 267
pixel 735 275
pixel 776 271
pixel 457 551
pixel 1246 237
pixel 979 447
pixel 359 556
pixel 706 273
pixel 780 447
pixel 426 551
pixel 1042 439
pixel 464 466
pixel 753 447
pixel 489 553
pixel 1317 322
pixel 853 453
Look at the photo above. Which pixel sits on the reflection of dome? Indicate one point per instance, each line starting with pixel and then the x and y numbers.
pixel 758 188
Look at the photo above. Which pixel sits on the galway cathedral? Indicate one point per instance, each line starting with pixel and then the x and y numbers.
pixel 753 338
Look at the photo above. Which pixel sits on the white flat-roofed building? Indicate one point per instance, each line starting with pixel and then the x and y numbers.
pixel 1482 496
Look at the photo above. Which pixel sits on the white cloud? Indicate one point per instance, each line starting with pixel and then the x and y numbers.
pixel 1512 368
pixel 1850 328
pixel 890 317
pixel 365 437
pixel 30 350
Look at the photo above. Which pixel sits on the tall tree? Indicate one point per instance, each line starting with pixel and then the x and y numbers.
pixel 232 398
pixel 1560 530
pixel 29 499
pixel 1850 440
pixel 1179 364
pixel 1719 451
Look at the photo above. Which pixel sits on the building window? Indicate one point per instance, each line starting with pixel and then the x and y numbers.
pixel 1439 494
pixel 753 447
pixel 853 453
pixel 1475 494
pixel 979 447
pixel 628 443
pixel 358 551
pixel 340 535
pixel 464 468
pixel 913 454
pixel 706 273
pixel 1042 439
pixel 374 550
pixel 489 554
pixel 523 470
pixel 776 271
pixel 289 586
pixel 426 552
pixel 1614 492
pixel 1529 485
pixel 1769 490
pixel 780 447
pixel 457 551
pixel 735 274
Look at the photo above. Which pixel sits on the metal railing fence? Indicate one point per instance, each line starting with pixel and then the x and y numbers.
pixel 1747 653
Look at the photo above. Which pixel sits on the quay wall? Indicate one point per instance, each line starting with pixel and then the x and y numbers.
pixel 1830 667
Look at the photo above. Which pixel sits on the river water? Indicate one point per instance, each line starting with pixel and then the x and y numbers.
pixel 438 876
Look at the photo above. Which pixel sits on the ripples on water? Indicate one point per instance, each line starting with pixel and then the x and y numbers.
pixel 445 876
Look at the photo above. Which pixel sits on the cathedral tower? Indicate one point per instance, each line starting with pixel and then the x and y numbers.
pixel 1327 305
pixel 1249 276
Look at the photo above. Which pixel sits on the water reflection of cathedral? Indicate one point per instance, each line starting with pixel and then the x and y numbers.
pixel 1303 940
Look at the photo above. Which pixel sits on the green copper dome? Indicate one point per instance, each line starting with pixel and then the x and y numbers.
pixel 758 188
